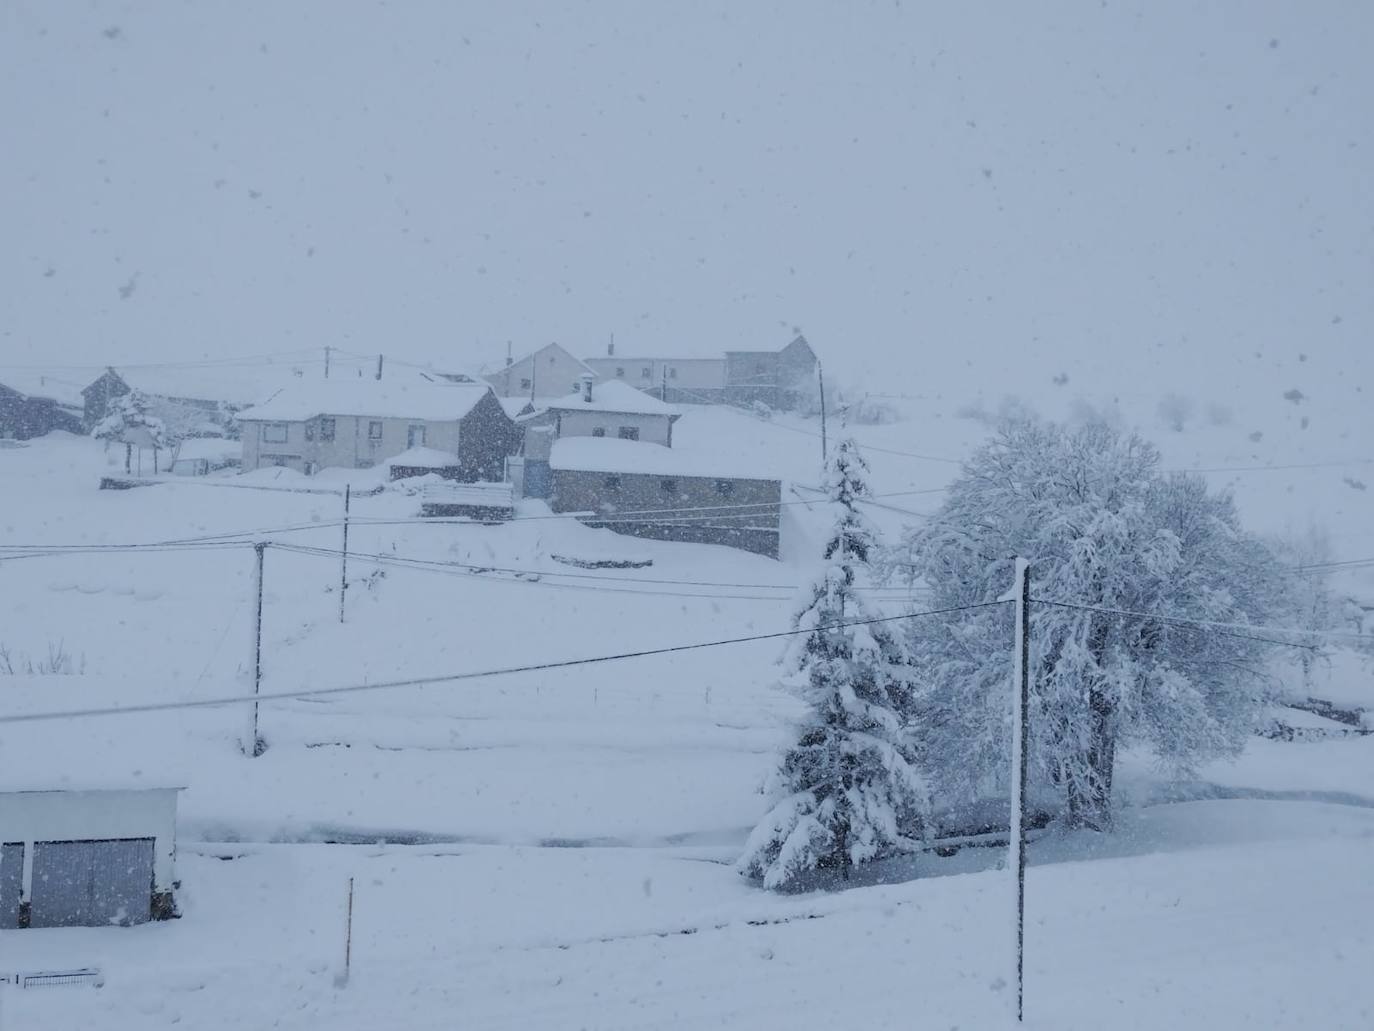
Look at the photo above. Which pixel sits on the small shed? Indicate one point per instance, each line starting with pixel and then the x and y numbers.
pixel 87 858
pixel 484 502
pixel 421 461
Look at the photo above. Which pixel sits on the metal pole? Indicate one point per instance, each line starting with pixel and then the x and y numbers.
pixel 254 745
pixel 825 451
pixel 1020 741
pixel 348 934
pixel 343 562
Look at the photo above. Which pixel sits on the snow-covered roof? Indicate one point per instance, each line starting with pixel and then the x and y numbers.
pixel 424 458
pixel 612 396
pixel 516 406
pixel 60 388
pixel 231 384
pixel 397 395
pixel 613 455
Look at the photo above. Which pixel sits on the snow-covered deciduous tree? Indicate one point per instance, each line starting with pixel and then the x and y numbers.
pixel 131 411
pixel 1128 553
pixel 849 790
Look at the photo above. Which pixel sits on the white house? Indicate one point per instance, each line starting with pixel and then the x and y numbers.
pixel 358 422
pixel 613 409
pixel 548 372
pixel 87 858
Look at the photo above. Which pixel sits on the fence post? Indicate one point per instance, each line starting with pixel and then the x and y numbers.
pixel 343 561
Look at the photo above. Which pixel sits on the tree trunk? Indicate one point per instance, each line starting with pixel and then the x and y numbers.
pixel 1090 806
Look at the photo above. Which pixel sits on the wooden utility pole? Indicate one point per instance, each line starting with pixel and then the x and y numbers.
pixel 253 744
pixel 1019 595
pixel 348 935
pixel 663 390
pixel 343 564
pixel 825 451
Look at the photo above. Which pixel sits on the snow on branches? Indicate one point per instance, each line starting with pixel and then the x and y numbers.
pixel 849 790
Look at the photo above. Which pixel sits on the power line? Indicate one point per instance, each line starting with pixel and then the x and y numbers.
pixel 1219 626
pixel 201 703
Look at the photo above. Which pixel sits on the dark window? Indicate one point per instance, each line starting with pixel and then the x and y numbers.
pixel 309 430
pixel 725 487
pixel 374 430
pixel 326 429
pixel 612 482
pixel 598 431
pixel 645 373
pixel 278 460
pixel 668 486
pixel 620 371
pixel 629 433
pixel 672 373
pixel 415 436
pixel 274 433
pixel 525 384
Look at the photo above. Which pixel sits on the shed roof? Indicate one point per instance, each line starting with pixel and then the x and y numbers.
pixel 612 455
pixel 399 395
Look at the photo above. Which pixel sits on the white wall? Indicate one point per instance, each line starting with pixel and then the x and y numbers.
pixel 553 370
pixel 653 429
pixel 32 816
pixel 351 446
pixel 691 373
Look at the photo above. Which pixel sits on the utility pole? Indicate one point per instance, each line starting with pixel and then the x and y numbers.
pixel 825 451
pixel 1019 595
pixel 326 360
pixel 253 745
pixel 379 366
pixel 663 390
pixel 343 565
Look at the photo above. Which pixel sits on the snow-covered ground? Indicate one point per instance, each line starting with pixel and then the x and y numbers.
pixel 551 849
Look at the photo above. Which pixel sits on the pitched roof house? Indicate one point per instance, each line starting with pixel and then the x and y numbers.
pixel 34 403
pixel 361 422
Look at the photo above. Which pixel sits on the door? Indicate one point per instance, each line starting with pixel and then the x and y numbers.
pixel 11 883
pixel 92 883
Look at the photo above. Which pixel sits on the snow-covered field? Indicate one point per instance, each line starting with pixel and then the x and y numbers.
pixel 552 849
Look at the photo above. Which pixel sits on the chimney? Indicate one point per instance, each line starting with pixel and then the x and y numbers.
pixel 610 348
pixel 509 360
pixel 586 388
pixel 379 366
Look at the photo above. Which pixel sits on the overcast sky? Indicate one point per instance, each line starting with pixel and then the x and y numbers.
pixel 1138 196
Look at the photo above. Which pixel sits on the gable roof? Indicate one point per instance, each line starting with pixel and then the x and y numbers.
pixel 398 395
pixel 39 384
pixel 612 396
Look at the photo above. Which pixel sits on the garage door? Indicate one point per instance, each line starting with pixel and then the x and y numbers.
pixel 11 883
pixel 92 883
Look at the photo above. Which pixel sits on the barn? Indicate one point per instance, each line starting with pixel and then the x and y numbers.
pixel 96 858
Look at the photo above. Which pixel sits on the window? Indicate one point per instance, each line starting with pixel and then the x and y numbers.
pixel 374 430
pixel 672 373
pixel 311 468
pixel 620 371
pixel 309 430
pixel 577 385
pixel 525 383
pixel 668 486
pixel 646 373
pixel 326 429
pixel 629 433
pixel 281 461
pixel 725 488
pixel 598 431
pixel 415 436
pixel 612 482
pixel 274 433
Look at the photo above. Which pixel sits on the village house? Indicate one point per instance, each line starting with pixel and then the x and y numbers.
pixel 32 404
pixel 613 410
pixel 781 379
pixel 356 423
pixel 666 494
pixel 550 371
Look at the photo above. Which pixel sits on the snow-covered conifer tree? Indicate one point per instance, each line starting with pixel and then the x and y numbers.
pixel 131 411
pixel 849 790
pixel 1105 530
